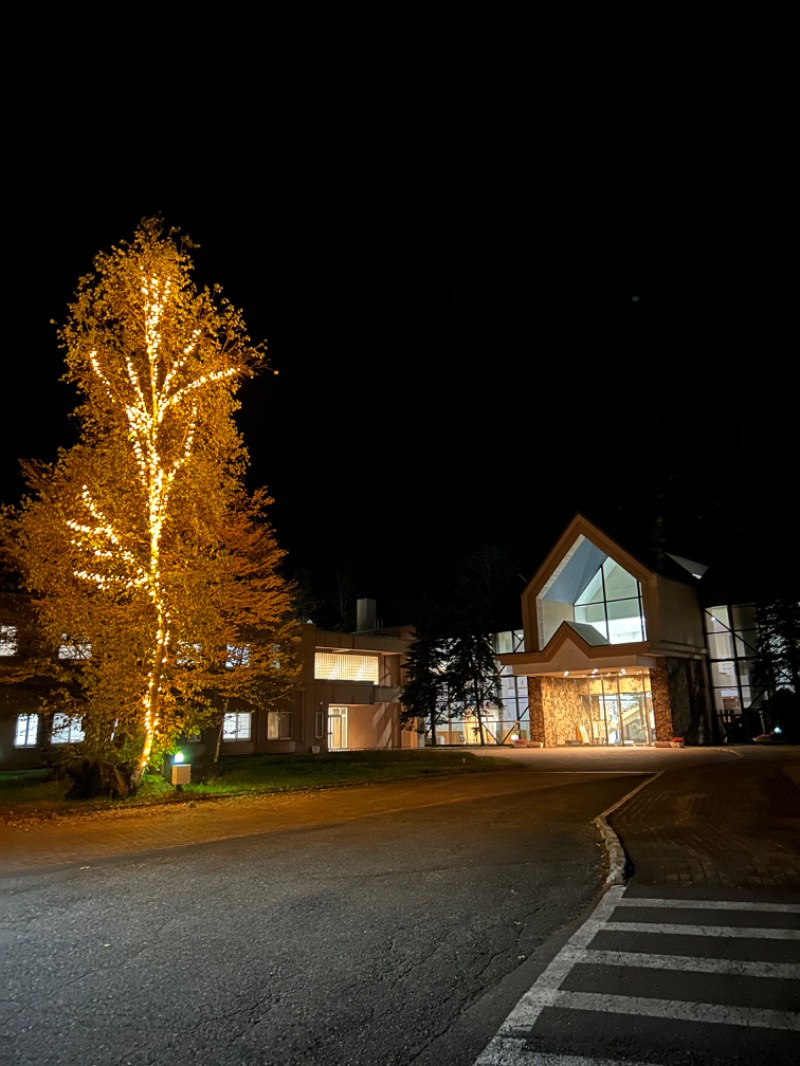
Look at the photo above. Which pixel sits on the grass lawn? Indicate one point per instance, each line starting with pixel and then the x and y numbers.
pixel 34 791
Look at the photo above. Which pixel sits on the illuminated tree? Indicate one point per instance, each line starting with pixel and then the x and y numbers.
pixel 247 651
pixel 139 543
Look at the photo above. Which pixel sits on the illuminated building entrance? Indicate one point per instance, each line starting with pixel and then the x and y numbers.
pixel 617 708
pixel 337 728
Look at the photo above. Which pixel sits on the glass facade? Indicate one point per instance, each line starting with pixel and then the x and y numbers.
pixel 616 707
pixel 592 589
pixel 505 725
pixel 732 642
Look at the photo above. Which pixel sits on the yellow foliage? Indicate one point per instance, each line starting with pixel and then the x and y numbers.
pixel 141 539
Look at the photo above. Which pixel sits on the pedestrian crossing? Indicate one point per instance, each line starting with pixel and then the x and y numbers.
pixel 664 982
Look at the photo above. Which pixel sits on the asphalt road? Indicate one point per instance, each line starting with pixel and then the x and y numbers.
pixel 441 922
pixel 403 935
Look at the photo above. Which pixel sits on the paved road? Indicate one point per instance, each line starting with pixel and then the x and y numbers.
pixel 693 953
pixel 467 921
pixel 364 927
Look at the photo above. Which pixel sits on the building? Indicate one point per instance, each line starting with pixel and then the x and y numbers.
pixel 347 697
pixel 618 650
pixel 617 647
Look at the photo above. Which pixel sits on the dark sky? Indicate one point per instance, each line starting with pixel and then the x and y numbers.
pixel 454 370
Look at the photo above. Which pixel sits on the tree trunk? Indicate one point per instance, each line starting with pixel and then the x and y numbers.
pixel 434 741
pixel 151 712
pixel 479 713
pixel 220 731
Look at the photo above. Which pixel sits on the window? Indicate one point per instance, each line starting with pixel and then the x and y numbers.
pixel 590 588
pixel 611 602
pixel 319 727
pixel 732 643
pixel 187 654
pixel 237 726
pixel 279 725
pixel 75 650
pixel 512 640
pixel 27 731
pixel 237 655
pixel 329 666
pixel 8 640
pixel 66 730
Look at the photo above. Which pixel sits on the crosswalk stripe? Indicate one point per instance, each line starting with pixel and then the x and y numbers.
pixel 509 1045
pixel 508 1051
pixel 709 905
pixel 701 930
pixel 687 963
pixel 674 1009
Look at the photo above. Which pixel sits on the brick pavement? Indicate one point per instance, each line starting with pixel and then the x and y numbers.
pixel 735 824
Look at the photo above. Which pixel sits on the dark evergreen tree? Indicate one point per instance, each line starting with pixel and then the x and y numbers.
pixel 473 678
pixel 425 693
pixel 777 671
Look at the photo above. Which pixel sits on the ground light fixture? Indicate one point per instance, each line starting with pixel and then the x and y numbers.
pixel 181 771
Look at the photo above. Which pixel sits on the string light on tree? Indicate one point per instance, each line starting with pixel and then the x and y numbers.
pixel 138 514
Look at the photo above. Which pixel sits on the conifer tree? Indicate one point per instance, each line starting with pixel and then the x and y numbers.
pixel 425 692
pixel 473 678
pixel 777 669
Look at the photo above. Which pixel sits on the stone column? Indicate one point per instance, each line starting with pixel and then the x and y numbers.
pixel 536 711
pixel 662 703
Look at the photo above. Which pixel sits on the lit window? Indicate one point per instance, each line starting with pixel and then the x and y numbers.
pixel 66 730
pixel 27 731
pixel 75 650
pixel 237 655
pixel 279 725
pixel 188 654
pixel 237 726
pixel 8 640
pixel 331 667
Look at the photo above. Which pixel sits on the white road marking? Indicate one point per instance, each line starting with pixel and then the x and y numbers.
pixel 508 1047
pixel 730 931
pixel 513 1053
pixel 643 1007
pixel 711 905
pixel 689 964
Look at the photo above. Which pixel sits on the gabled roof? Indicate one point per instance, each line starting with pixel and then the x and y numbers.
pixel 624 544
pixel 588 633
pixel 575 647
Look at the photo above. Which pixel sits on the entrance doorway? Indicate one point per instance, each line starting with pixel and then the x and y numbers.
pixel 617 708
pixel 337 728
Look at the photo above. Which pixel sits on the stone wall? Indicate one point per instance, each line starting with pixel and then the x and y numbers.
pixel 691 701
pixel 536 712
pixel 662 703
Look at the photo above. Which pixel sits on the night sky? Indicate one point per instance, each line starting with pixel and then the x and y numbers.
pixel 453 372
